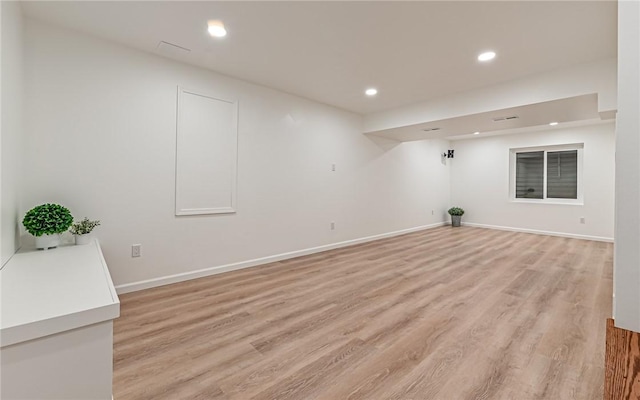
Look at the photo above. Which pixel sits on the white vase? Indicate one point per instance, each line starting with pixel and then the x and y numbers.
pixel 47 241
pixel 83 239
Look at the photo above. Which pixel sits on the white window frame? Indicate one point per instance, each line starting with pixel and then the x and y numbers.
pixel 544 200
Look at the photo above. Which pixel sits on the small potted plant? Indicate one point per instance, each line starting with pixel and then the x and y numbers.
pixel 456 215
pixel 81 230
pixel 46 222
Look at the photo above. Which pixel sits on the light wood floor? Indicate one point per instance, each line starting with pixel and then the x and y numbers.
pixel 447 313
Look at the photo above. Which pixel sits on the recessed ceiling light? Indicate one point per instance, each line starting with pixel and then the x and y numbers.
pixel 371 92
pixel 476 133
pixel 553 123
pixel 216 28
pixel 486 56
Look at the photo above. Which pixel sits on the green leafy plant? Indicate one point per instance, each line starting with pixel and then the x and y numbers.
pixel 83 227
pixel 47 219
pixel 455 211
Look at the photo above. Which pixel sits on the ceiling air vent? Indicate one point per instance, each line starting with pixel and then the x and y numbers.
pixel 172 49
pixel 431 129
pixel 509 118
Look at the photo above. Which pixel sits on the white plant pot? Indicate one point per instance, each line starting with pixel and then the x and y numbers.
pixel 47 241
pixel 83 239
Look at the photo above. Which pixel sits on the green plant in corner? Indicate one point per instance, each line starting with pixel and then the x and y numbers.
pixel 456 211
pixel 47 219
pixel 456 215
pixel 83 227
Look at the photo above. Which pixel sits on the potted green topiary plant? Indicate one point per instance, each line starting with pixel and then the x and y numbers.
pixel 456 215
pixel 82 230
pixel 46 222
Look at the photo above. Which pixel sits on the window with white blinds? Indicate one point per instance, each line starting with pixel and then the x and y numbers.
pixel 562 174
pixel 547 173
pixel 530 175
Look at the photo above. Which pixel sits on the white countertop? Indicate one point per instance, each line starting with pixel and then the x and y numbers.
pixel 43 292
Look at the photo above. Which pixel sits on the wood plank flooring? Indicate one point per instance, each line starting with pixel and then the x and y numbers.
pixel 622 364
pixel 447 314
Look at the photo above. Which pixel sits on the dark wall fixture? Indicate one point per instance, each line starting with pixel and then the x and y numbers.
pixel 448 154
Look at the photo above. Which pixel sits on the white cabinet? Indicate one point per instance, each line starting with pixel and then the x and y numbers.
pixel 56 325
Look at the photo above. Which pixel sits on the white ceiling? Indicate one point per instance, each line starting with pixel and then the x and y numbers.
pixel 331 51
pixel 563 111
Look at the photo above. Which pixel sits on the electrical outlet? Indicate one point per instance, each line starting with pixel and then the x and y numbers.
pixel 333 167
pixel 136 250
pixel 431 212
pixel 333 225
pixel 582 220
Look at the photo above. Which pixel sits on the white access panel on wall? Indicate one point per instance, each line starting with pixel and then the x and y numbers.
pixel 206 154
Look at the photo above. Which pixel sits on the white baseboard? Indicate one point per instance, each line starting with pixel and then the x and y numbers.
pixel 185 276
pixel 538 232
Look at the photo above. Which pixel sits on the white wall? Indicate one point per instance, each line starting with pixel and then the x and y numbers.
pixel 11 138
pixel 627 249
pixel 480 183
pixel 101 140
